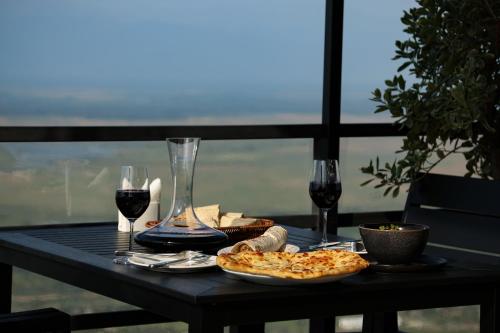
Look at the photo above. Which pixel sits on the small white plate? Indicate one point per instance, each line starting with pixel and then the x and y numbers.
pixel 276 281
pixel 288 248
pixel 184 267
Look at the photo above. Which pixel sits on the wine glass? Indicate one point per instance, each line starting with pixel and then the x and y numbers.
pixel 132 196
pixel 325 190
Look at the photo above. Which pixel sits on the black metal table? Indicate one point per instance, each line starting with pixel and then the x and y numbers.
pixel 80 255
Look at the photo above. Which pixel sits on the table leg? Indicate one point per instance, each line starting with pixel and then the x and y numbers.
pixel 251 328
pixel 380 322
pixel 205 326
pixel 490 314
pixel 322 325
pixel 5 288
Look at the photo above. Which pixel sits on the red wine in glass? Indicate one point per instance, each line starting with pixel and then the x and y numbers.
pixel 325 196
pixel 133 196
pixel 132 203
pixel 325 189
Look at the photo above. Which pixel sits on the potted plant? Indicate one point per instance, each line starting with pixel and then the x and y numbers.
pixel 451 105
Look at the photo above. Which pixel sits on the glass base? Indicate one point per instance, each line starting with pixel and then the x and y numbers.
pixel 174 239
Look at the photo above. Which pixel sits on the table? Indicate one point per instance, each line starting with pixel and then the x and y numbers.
pixel 80 255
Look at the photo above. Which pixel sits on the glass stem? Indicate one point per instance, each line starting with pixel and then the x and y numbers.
pixel 131 234
pixel 324 223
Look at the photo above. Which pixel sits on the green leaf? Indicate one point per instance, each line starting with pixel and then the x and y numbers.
pixel 440 154
pixel 395 193
pixel 367 182
pixel 401 82
pixel 387 190
pixel 381 108
pixel 387 95
pixel 367 170
pixel 404 66
pixel 470 165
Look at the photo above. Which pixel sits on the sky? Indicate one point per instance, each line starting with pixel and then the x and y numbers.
pixel 119 61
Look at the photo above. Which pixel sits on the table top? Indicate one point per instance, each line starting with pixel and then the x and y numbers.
pixel 82 254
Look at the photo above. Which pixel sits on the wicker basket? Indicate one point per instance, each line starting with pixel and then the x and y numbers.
pixel 237 234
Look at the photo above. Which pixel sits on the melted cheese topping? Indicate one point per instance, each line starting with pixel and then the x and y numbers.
pixel 294 265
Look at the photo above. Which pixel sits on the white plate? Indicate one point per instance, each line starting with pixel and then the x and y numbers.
pixel 276 281
pixel 288 248
pixel 184 267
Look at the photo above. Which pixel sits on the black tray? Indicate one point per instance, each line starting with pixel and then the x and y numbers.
pixel 422 263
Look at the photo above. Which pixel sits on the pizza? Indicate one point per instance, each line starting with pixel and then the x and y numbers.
pixel 306 265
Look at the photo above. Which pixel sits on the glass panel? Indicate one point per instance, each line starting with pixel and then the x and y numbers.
pixel 75 182
pixel 356 153
pixel 460 319
pixel 370 30
pixel 91 62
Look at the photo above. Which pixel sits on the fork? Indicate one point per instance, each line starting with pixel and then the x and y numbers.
pixel 178 261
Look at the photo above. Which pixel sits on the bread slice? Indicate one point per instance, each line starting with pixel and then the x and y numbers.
pixel 227 221
pixel 208 215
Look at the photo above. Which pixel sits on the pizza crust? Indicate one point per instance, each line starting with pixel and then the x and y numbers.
pixel 307 265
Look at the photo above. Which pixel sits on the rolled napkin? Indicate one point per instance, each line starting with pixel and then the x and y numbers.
pixel 274 239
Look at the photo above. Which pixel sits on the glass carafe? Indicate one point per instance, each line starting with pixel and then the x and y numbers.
pixel 182 229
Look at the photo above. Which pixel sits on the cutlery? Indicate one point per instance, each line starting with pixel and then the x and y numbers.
pixel 120 260
pixel 145 254
pixel 318 246
pixel 178 261
pixel 355 246
pixel 123 260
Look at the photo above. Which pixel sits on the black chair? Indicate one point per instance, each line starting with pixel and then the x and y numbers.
pixel 39 321
pixel 462 213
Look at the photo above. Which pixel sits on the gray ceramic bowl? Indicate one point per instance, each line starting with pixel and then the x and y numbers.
pixel 399 246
